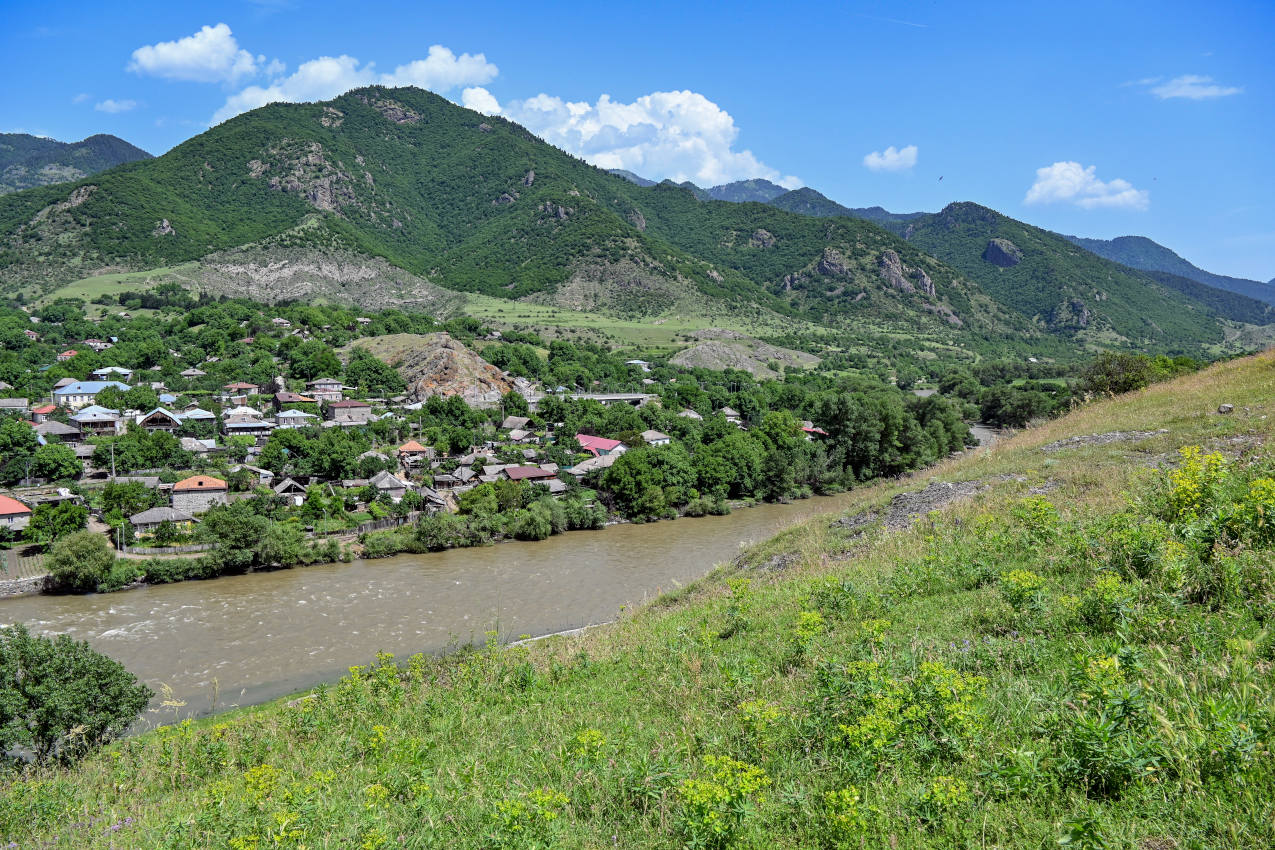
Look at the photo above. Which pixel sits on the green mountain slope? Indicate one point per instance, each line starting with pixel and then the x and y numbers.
pixel 478 204
pixel 28 161
pixel 1061 286
pixel 1141 253
pixel 474 204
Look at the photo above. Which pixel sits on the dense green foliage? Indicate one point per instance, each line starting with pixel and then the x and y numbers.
pixel 59 699
pixel 80 561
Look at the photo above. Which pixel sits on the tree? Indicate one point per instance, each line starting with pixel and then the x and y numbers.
pixel 60 698
pixel 56 462
pixel 50 521
pixel 81 561
pixel 18 443
pixel 371 375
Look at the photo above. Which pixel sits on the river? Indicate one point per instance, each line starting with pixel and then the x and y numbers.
pixel 240 640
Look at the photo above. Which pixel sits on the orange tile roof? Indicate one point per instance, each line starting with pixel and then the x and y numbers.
pixel 199 482
pixel 9 507
pixel 411 446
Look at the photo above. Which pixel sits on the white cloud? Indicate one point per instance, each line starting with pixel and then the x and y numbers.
pixel 1071 182
pixel 329 76
pixel 82 97
pixel 113 106
pixel 678 135
pixel 1193 87
pixel 211 55
pixel 480 100
pixel 891 159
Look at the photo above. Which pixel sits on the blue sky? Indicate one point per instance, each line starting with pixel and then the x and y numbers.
pixel 1097 119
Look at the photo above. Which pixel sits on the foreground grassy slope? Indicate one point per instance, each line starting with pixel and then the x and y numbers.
pixel 1093 663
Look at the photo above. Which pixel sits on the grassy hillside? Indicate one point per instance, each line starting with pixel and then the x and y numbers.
pixel 27 161
pixel 1077 647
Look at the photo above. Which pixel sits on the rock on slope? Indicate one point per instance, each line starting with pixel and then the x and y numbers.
pixel 436 364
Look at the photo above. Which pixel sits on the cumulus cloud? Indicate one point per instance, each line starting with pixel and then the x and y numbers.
pixel 113 106
pixel 678 135
pixel 1073 183
pixel 211 55
pixel 1193 87
pixel 329 76
pixel 891 159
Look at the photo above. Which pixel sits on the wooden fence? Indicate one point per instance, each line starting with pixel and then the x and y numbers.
pixel 167 550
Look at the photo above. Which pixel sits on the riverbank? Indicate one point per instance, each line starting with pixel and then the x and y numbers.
pixel 833 685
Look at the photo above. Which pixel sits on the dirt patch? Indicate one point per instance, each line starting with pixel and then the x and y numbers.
pixel 906 507
pixel 1102 439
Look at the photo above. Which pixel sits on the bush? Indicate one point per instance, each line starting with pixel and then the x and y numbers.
pixel 80 562
pixel 60 698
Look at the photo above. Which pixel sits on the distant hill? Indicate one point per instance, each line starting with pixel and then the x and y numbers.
pixel 1066 289
pixel 806 201
pixel 635 179
pixel 28 161
pixel 757 190
pixel 1141 253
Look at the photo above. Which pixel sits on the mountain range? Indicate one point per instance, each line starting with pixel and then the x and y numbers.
pixel 449 199
pixel 27 161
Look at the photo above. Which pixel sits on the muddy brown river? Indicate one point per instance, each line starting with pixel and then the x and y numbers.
pixel 246 639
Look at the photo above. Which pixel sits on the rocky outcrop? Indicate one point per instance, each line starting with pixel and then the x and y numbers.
pixel 1071 313
pixel 923 281
pixel 556 210
pixel 331 117
pixel 484 127
pixel 304 169
pixel 1002 253
pixel 530 178
pixel 638 220
pixel 728 349
pixel 392 110
pixel 163 228
pixel 505 199
pixel 761 239
pixel 435 364
pixel 892 271
pixel 833 263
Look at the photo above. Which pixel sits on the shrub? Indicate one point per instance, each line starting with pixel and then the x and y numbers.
pixel 60 698
pixel 1021 588
pixel 1106 604
pixel 80 561
pixel 714 809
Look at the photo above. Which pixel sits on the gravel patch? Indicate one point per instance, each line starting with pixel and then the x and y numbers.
pixel 1102 439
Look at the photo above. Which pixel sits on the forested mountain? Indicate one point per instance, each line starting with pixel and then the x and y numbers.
pixel 807 201
pixel 1140 252
pixel 476 203
pixel 27 161
pixel 1067 289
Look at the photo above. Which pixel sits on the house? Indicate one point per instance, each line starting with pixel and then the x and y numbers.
pixel 641 364
pixel 17 406
pixel 264 476
pixel 53 428
pixel 76 395
pixel 514 423
pixel 97 421
pixel 350 412
pixel 235 426
pixel 412 453
pixel 63 382
pixel 14 515
pixel 592 464
pixel 518 435
pixel 31 335
pixel 198 493
pixel 325 389
pixel 113 373
pixel 167 398
pixel 98 344
pixel 290 490
pixel 238 392
pixel 43 412
pixel 199 447
pixel 147 522
pixel 447 481
pixel 285 398
pixel 193 373
pixel 279 322
pixel 67 355
pixel 294 418
pixel 690 414
pixel 197 414
pixel 811 432
pixel 243 410
pixel 160 419
pixel 655 438
pixel 598 446
pixel 732 415
pixel 527 473
pixel 392 485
